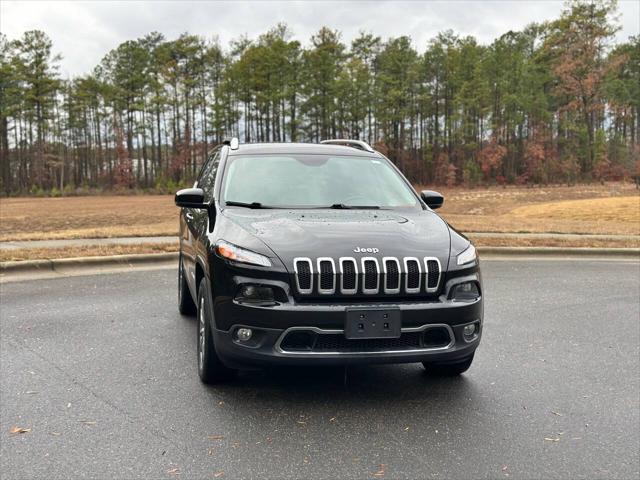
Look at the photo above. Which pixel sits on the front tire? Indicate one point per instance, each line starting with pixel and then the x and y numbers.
pixel 448 369
pixel 210 369
pixel 185 300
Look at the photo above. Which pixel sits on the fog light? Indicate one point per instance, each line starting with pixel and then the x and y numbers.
pixel 244 334
pixel 469 330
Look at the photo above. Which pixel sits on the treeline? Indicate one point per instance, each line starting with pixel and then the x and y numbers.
pixel 556 102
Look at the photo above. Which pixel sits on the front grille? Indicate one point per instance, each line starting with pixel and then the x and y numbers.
pixel 367 276
pixel 339 343
pixel 316 341
pixel 327 275
pixel 349 275
pixel 392 275
pixel 433 274
pixel 304 275
pixel 370 272
pixel 412 269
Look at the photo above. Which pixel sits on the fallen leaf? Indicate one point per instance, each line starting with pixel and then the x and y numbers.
pixel 211 450
pixel 55 434
pixel 557 413
pixel 19 430
pixel 88 422
pixel 380 472
pixel 332 419
pixel 301 422
pixel 406 429
pixel 31 392
pixel 216 437
pixel 551 439
pixel 504 468
pixel 173 471
pixel 220 402
pixel 218 474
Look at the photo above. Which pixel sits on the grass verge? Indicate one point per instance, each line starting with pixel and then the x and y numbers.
pixel 88 251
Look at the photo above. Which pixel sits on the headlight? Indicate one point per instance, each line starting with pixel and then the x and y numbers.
pixel 258 294
pixel 468 256
pixel 465 292
pixel 238 254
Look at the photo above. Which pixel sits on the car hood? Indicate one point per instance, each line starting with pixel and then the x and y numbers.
pixel 338 233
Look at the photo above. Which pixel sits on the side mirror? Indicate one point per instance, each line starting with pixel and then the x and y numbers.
pixel 432 199
pixel 190 198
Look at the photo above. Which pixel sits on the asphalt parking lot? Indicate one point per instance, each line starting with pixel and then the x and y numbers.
pixel 102 371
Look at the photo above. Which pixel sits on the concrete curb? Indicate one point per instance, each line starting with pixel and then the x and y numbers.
pixel 562 252
pixel 59 264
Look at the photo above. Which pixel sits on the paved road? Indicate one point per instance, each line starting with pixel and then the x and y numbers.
pixel 80 242
pixel 102 370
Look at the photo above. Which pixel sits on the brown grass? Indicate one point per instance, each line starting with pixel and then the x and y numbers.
pixel 89 251
pixel 602 209
pixel 554 242
pixel 87 217
pixel 607 209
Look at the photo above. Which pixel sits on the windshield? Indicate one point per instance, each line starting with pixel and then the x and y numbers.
pixel 315 181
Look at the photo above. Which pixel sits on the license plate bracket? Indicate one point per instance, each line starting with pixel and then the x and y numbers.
pixel 371 323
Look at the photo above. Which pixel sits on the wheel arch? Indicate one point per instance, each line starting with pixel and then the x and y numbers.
pixel 201 274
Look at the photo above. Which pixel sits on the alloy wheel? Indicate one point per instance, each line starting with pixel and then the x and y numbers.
pixel 201 335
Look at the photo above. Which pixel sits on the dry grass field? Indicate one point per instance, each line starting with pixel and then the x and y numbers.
pixel 602 209
pixel 87 217
pixel 87 251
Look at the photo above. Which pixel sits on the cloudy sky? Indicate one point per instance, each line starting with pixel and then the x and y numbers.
pixel 83 32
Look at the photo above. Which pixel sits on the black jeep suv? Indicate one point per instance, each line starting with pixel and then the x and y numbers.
pixel 319 254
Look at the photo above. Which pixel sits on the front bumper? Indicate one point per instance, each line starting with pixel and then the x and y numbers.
pixel 271 325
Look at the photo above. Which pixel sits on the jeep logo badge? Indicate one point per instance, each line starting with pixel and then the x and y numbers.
pixel 365 250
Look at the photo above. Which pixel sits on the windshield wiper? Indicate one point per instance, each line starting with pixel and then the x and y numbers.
pixel 246 205
pixel 342 206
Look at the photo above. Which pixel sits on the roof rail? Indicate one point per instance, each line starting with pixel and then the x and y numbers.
pixel 349 143
pixel 233 143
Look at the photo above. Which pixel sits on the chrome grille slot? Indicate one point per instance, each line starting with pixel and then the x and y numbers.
pixel 432 266
pixel 348 275
pixel 303 268
pixel 412 275
pixel 391 267
pixel 326 275
pixel 371 275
